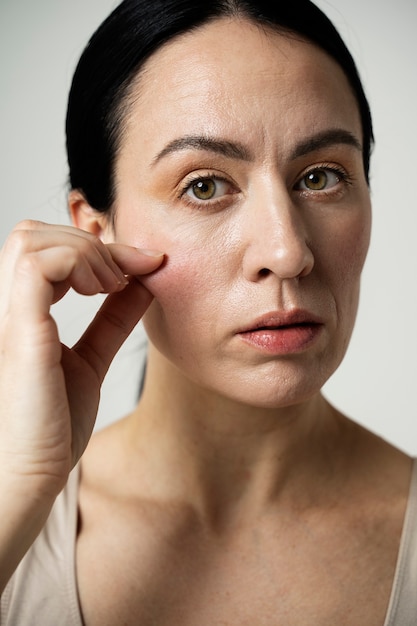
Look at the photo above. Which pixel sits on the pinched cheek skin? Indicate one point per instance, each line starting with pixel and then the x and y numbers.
pixel 186 298
pixel 198 262
pixel 182 276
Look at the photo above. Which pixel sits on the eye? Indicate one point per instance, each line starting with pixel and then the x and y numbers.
pixel 209 191
pixel 320 179
pixel 204 189
pixel 209 188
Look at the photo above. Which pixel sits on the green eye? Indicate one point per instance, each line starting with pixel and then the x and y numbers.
pixel 204 189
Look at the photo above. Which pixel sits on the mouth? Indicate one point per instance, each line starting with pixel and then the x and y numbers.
pixel 283 332
pixel 280 327
pixel 283 320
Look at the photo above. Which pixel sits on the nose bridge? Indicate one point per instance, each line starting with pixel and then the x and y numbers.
pixel 276 236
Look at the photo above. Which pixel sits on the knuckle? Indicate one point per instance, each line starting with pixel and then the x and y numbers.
pixel 18 241
pixel 83 236
pixel 85 245
pixel 91 247
pixel 28 224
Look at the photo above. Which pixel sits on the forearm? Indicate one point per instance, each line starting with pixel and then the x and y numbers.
pixel 23 516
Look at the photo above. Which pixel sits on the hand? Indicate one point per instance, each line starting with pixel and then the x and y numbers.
pixel 49 393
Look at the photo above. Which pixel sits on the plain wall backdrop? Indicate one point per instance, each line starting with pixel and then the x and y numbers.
pixel 40 43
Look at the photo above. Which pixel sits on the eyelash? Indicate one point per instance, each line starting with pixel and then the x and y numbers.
pixel 340 173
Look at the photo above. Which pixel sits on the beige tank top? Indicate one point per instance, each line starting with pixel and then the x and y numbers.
pixel 43 590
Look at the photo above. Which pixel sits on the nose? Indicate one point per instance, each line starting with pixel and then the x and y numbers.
pixel 276 240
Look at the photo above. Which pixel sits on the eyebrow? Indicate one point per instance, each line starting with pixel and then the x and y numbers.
pixel 230 149
pixel 236 150
pixel 332 137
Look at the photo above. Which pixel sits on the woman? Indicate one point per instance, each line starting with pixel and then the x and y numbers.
pixel 219 158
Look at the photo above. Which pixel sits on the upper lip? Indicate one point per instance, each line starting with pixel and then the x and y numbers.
pixel 279 319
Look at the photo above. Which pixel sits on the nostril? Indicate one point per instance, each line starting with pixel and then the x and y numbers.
pixel 264 271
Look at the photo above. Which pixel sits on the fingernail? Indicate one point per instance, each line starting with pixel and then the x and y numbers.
pixel 154 253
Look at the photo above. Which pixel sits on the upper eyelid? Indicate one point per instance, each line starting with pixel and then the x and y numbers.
pixel 323 165
pixel 192 178
pixel 330 167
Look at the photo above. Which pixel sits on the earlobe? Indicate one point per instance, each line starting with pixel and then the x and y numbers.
pixel 85 217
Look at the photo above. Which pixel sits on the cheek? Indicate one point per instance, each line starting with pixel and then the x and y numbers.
pixel 181 277
pixel 186 295
pixel 188 287
pixel 186 248
pixel 349 250
pixel 191 268
pixel 352 248
pixel 178 312
pixel 342 244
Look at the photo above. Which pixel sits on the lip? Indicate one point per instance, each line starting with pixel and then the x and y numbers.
pixel 283 332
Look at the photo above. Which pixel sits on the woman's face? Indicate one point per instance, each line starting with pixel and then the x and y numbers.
pixel 241 160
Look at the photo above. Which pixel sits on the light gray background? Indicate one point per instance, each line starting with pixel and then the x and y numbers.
pixel 40 42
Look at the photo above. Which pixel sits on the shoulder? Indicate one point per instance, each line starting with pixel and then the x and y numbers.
pixel 403 604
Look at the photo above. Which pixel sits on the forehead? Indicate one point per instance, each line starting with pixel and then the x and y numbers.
pixel 231 76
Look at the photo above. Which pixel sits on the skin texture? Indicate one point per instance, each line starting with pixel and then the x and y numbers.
pixel 262 246
pixel 241 486
pixel 233 493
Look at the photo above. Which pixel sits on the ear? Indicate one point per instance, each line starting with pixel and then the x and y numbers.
pixel 85 217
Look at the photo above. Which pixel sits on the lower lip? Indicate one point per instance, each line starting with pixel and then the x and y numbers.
pixel 285 340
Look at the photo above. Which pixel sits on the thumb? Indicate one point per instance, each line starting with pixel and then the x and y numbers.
pixel 111 326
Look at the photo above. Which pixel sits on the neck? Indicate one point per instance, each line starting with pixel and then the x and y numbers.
pixel 227 459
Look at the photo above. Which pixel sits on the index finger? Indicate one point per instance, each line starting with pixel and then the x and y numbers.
pixel 135 261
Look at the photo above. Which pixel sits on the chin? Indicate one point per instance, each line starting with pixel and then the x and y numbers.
pixel 269 391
